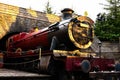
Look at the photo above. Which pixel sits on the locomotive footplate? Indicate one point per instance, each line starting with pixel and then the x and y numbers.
pixel 76 60
pixel 82 64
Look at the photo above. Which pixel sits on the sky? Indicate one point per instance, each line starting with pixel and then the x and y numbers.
pixel 93 7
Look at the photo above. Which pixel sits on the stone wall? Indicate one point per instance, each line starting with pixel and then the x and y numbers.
pixel 16 19
pixel 110 47
pixel 110 50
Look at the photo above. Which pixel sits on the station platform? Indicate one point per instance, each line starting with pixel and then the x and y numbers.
pixel 8 74
pixel 105 75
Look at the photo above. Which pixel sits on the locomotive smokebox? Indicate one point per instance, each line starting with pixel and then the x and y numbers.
pixel 80 32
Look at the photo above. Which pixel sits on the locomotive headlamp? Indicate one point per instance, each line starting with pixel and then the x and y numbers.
pixel 81 34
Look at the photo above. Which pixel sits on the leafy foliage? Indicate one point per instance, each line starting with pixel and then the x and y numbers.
pixel 108 25
pixel 48 8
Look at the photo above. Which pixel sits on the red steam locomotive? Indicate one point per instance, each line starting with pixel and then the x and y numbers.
pixel 56 50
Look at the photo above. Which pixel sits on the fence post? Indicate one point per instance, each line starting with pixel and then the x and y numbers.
pixel 1 59
pixel 99 44
pixel 119 45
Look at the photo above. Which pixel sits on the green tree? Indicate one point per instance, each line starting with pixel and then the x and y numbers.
pixel 48 8
pixel 108 25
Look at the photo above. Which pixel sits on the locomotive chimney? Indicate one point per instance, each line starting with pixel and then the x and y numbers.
pixel 67 13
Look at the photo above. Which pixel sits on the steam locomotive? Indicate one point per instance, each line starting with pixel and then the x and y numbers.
pixel 56 49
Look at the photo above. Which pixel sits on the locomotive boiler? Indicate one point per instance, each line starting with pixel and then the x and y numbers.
pixel 71 34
